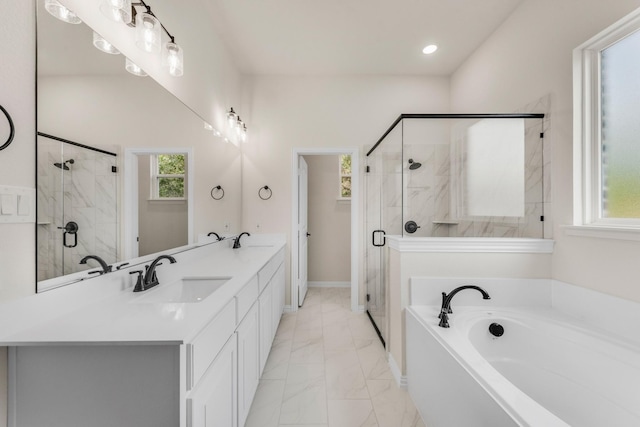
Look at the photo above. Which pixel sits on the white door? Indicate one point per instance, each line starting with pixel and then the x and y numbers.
pixel 303 234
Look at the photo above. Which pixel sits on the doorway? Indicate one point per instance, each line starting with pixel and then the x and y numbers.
pixel 145 167
pixel 300 209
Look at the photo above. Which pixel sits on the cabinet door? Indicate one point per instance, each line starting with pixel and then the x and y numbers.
pixel 213 403
pixel 266 324
pixel 278 289
pixel 248 362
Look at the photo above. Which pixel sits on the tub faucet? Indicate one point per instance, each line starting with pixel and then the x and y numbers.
pixel 236 241
pixel 105 268
pixel 150 279
pixel 445 310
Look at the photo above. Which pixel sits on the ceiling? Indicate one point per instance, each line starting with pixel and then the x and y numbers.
pixel 304 37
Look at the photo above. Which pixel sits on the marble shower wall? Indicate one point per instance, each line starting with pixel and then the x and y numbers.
pixel 85 194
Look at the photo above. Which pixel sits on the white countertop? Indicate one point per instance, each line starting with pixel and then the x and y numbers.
pixel 104 310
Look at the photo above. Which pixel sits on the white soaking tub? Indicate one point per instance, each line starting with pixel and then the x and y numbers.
pixel 547 369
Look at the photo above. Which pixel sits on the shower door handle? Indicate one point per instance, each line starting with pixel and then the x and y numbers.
pixel 373 238
pixel 70 228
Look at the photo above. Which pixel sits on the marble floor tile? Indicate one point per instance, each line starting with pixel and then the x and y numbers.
pixel 351 413
pixel 328 368
pixel 305 395
pixel 265 409
pixel 393 406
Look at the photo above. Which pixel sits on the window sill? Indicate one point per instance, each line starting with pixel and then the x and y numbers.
pixel 171 201
pixel 602 232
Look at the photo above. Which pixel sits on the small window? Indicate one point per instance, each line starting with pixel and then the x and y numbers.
pixel 168 176
pixel 345 176
pixel 607 155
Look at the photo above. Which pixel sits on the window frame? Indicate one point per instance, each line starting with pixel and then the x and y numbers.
pixel 343 175
pixel 587 159
pixel 156 176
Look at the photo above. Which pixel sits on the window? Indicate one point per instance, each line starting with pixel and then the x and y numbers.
pixel 607 131
pixel 345 176
pixel 168 176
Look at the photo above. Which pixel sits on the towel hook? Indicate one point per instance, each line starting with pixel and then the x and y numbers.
pixel 217 189
pixel 12 130
pixel 267 191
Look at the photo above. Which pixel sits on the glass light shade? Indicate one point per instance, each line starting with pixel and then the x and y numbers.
pixel 172 59
pixel 100 43
pixel 117 10
pixel 61 12
pixel 148 33
pixel 232 118
pixel 239 124
pixel 134 69
pixel 243 135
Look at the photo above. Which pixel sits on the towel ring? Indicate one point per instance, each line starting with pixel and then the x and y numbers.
pixel 265 190
pixel 12 130
pixel 217 189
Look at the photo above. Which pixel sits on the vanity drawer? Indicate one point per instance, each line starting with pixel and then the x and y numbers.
pixel 267 271
pixel 245 298
pixel 206 346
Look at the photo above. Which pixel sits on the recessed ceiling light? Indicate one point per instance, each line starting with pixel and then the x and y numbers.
pixel 429 49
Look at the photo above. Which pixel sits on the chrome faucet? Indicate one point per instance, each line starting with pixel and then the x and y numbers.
pixel 150 279
pixel 213 233
pixel 236 241
pixel 445 310
pixel 105 267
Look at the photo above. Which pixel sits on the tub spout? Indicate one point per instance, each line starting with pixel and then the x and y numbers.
pixel 446 302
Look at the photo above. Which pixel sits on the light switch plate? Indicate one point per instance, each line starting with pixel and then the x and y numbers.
pixel 17 204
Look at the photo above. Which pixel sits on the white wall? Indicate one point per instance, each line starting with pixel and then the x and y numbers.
pixel 309 112
pixel 528 57
pixel 329 223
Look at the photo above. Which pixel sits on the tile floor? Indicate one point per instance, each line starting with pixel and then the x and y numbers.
pixel 327 368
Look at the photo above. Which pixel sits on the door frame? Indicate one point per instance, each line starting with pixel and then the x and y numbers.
pixel 131 196
pixel 355 212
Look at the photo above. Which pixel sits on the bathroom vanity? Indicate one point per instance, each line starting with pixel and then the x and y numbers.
pixel 186 353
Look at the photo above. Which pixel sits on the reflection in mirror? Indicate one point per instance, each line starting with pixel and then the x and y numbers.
pixel 90 114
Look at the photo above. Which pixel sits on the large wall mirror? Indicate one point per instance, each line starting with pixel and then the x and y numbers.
pixel 92 115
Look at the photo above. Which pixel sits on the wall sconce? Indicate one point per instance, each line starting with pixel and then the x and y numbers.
pixel 237 128
pixel 232 117
pixel 62 13
pixel 148 33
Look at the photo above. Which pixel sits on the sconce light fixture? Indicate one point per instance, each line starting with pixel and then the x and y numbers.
pixel 237 128
pixel 62 13
pixel 232 118
pixel 148 33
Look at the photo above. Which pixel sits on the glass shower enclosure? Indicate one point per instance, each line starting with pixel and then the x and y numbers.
pixel 451 175
pixel 77 206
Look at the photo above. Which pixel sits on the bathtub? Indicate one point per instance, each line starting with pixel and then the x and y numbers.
pixel 546 370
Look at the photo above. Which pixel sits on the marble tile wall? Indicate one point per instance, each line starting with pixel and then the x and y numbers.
pixel 85 194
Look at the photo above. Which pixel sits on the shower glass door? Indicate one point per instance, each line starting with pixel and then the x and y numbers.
pixel 77 207
pixel 383 218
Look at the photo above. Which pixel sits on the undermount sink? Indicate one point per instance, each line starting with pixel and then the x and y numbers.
pixel 185 290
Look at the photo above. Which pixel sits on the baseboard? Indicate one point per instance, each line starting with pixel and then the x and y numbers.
pixel 401 380
pixel 329 284
pixel 287 309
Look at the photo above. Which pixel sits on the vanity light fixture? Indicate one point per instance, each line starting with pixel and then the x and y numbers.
pixel 62 13
pixel 100 43
pixel 239 124
pixel 243 135
pixel 117 10
pixel 428 50
pixel 232 117
pixel 131 67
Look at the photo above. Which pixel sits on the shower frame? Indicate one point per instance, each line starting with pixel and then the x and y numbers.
pixel 374 246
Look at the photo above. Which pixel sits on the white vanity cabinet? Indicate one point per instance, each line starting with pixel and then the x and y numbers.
pixel 195 365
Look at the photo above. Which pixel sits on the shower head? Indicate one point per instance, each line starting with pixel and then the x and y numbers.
pixel 414 165
pixel 64 166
